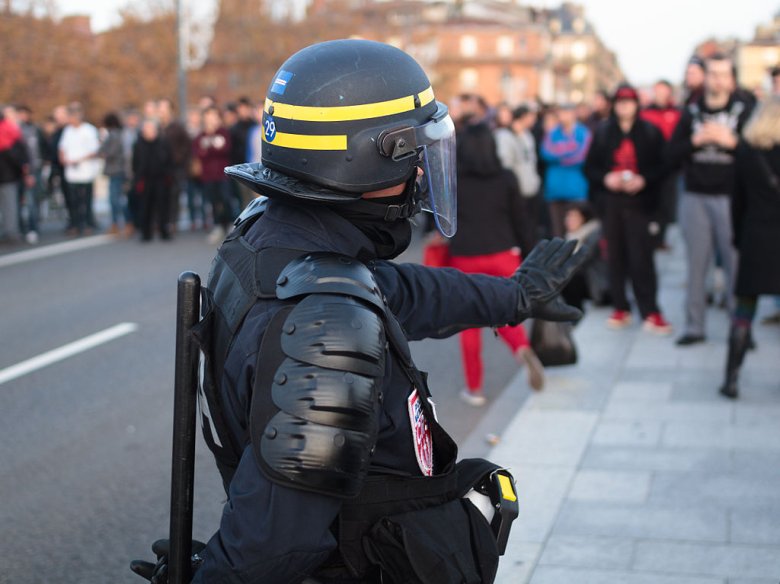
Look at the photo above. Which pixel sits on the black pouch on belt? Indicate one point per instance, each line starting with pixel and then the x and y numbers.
pixel 444 544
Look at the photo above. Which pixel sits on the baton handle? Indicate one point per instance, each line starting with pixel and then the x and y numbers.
pixel 184 427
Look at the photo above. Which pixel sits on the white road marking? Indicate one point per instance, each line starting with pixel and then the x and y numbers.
pixel 66 351
pixel 54 249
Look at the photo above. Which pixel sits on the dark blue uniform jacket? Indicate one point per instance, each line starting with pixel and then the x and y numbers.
pixel 273 534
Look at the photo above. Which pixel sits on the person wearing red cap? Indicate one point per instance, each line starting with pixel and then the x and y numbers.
pixel 625 166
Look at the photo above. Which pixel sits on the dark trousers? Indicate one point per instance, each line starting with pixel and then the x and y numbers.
pixel 177 187
pixel 58 174
pixel 630 254
pixel 531 209
pixel 220 195
pixel 155 208
pixel 81 215
pixel 557 211
pixel 667 208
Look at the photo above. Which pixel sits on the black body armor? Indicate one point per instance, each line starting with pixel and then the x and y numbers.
pixel 313 417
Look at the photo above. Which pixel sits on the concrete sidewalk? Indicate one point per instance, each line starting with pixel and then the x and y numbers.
pixel 631 469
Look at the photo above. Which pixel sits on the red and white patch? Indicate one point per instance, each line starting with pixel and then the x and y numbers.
pixel 421 434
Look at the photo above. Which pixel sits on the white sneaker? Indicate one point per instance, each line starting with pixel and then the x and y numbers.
pixel 216 236
pixel 473 398
pixel 31 237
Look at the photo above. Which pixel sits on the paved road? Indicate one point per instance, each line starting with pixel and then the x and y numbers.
pixel 85 448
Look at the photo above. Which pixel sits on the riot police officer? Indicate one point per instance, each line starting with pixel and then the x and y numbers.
pixel 322 428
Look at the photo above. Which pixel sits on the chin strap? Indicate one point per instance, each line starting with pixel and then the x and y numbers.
pixel 390 209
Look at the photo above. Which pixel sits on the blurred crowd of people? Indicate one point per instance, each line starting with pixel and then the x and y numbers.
pixel 616 173
pixel 153 163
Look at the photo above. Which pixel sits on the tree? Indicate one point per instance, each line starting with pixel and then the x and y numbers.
pixel 136 61
pixel 249 46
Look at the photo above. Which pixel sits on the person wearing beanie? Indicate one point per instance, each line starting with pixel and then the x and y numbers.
pixel 624 167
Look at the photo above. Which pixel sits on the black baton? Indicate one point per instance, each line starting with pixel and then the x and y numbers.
pixel 184 427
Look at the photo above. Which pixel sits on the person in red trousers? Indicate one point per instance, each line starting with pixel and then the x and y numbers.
pixel 487 242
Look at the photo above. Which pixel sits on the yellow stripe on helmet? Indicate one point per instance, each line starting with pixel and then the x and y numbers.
pixel 345 113
pixel 308 142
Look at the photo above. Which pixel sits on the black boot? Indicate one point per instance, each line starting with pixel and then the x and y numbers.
pixel 739 341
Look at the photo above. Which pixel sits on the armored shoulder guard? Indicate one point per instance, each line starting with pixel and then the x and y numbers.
pixel 314 421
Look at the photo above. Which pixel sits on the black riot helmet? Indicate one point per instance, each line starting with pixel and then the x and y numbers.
pixel 347 117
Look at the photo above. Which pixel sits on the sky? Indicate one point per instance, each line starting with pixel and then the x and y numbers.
pixel 652 38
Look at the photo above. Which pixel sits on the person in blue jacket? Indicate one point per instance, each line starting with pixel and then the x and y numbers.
pixel 563 151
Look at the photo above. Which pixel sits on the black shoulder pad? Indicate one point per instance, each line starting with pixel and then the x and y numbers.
pixel 328 273
pixel 315 427
pixel 335 332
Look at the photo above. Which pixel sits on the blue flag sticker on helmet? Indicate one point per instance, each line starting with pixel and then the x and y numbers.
pixel 281 81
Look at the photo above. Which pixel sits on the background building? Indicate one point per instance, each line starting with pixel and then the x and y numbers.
pixel 753 58
pixel 503 50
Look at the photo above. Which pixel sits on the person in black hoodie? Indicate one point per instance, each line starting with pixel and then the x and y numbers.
pixel 152 163
pixel 624 167
pixel 703 144
pixel 487 242
pixel 756 220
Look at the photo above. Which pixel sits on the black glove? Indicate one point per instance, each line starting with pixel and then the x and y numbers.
pixel 544 273
pixel 158 573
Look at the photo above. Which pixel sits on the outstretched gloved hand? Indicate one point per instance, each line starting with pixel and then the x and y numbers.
pixel 158 573
pixel 542 277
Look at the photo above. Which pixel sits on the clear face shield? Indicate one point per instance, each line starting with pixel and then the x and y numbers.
pixel 434 144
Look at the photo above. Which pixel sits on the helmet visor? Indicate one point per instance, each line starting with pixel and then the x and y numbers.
pixel 433 145
pixel 437 139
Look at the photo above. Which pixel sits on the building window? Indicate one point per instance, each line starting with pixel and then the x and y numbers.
pixel 469 79
pixel 468 46
pixel 579 72
pixel 505 46
pixel 522 45
pixel 579 50
pixel 561 50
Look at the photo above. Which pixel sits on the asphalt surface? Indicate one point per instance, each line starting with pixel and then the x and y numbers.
pixel 85 441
